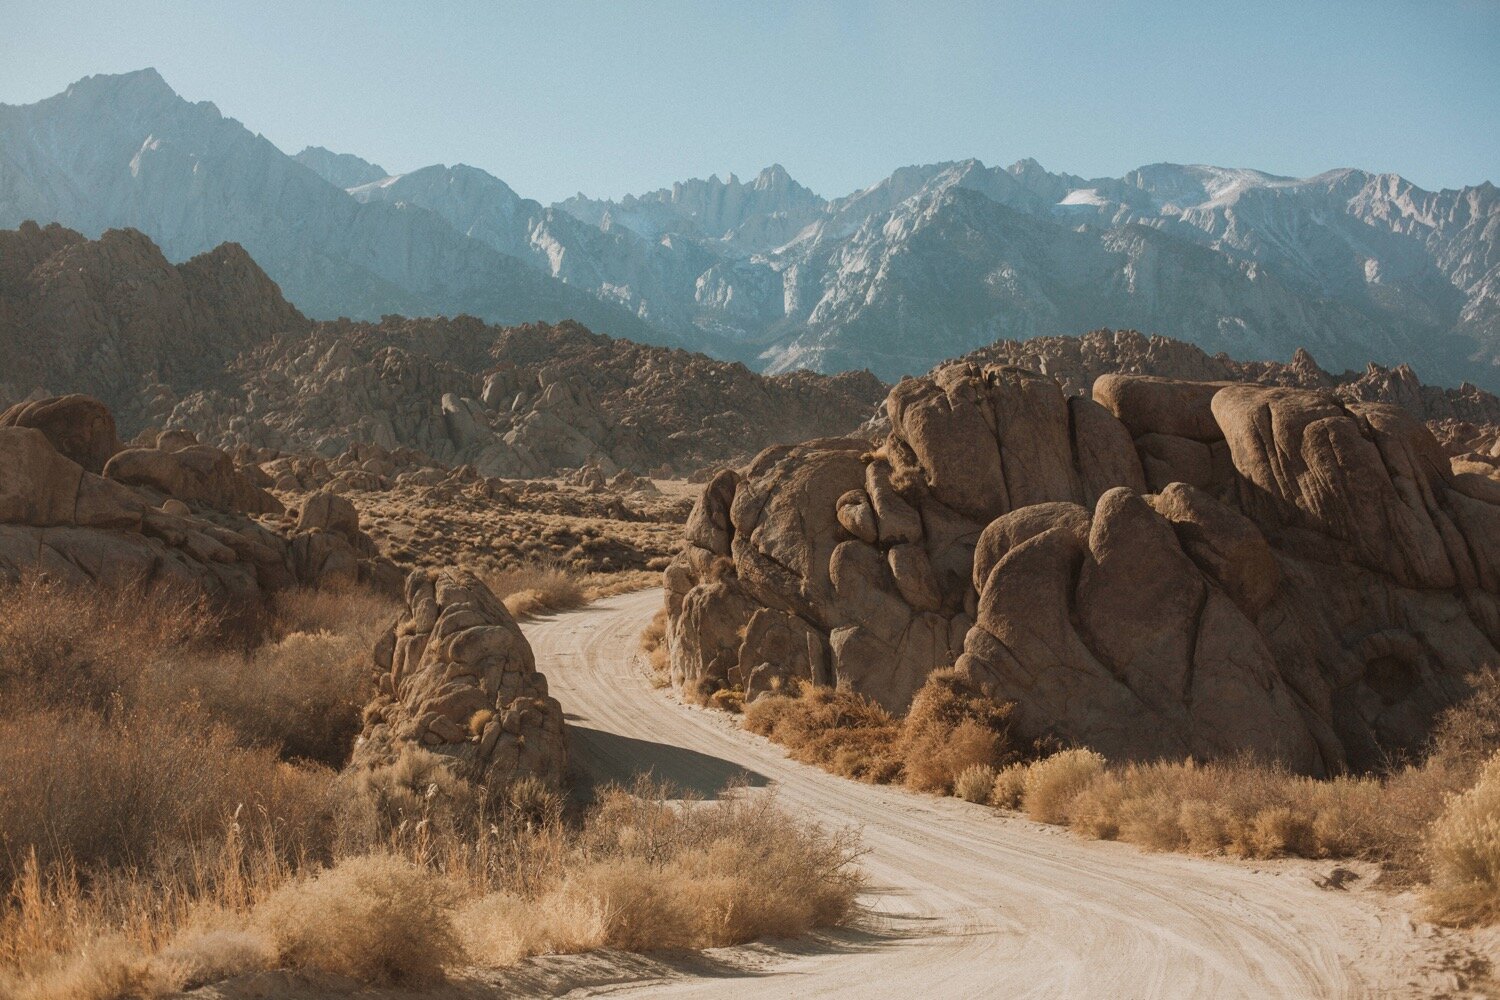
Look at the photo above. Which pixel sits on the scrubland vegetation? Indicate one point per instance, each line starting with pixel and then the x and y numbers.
pixel 174 814
pixel 547 588
pixel 948 730
pixel 1435 822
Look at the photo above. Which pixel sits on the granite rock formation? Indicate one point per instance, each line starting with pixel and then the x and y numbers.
pixel 1169 568
pixel 455 676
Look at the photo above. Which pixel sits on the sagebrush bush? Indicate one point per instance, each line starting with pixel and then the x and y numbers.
pixel 1008 786
pixel 1053 782
pixel 948 729
pixel 974 783
pixel 374 918
pixel 1464 847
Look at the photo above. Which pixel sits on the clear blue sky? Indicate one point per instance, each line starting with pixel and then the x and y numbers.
pixel 608 98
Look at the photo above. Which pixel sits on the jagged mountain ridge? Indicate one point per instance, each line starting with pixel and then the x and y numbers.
pixel 114 319
pixel 938 259
pixel 126 151
pixel 930 262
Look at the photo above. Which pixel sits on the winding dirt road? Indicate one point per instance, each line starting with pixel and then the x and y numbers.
pixel 964 902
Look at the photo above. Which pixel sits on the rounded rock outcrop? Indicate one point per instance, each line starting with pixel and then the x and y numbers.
pixel 1172 568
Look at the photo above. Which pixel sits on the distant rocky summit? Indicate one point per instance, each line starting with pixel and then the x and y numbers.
pixel 1171 567
pixel 113 318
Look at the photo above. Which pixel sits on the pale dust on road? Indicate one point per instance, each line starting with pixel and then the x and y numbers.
pixel 964 902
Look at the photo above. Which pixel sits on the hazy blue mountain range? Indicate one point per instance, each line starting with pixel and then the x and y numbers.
pixel 928 263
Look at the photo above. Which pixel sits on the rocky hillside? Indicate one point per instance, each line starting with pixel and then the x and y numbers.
pixel 518 401
pixel 211 347
pixel 114 319
pixel 78 506
pixel 926 264
pixel 1168 568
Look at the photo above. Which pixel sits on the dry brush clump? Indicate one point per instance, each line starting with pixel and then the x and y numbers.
pixel 947 730
pixel 654 645
pixel 547 588
pixel 1464 847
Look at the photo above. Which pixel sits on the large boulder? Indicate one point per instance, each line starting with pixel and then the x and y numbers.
pixel 192 473
pixel 456 677
pixel 80 427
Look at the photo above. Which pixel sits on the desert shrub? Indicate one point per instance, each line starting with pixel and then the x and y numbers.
pixel 1052 783
pixel 357 613
pixel 375 918
pixel 948 729
pixel 81 646
pixel 835 729
pixel 502 928
pixel 654 645
pixel 539 588
pixel 1008 786
pixel 301 694
pixel 1464 846
pixel 974 783
pixel 1468 734
pixel 649 873
pixel 87 790
pixel 373 805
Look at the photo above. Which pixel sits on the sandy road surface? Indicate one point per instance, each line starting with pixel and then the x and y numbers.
pixel 963 902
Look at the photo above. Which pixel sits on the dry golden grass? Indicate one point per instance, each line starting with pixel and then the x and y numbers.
pixel 76 647
pixel 948 730
pixel 1464 846
pixel 127 790
pixel 537 589
pixel 156 836
pixel 654 645
pixel 640 872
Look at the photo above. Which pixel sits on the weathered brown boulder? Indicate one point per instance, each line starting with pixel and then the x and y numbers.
pixel 325 511
pixel 80 427
pixel 456 677
pixel 193 473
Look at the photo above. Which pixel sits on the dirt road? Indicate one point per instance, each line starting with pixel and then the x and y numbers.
pixel 964 902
